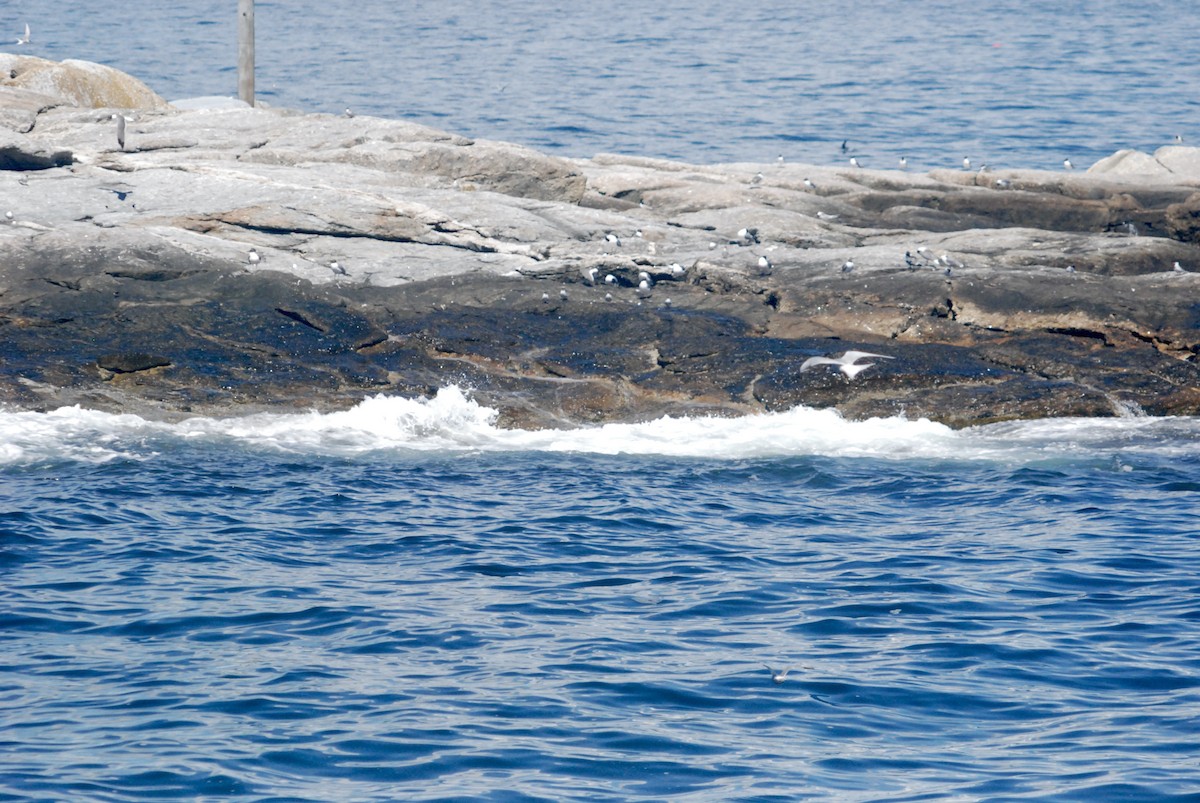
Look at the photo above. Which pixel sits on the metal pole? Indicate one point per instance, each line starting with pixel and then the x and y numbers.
pixel 246 50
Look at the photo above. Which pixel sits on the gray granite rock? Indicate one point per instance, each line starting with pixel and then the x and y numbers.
pixel 232 258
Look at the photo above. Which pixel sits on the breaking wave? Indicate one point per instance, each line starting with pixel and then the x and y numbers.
pixel 451 422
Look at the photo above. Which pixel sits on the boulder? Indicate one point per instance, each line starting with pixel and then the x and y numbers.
pixel 78 83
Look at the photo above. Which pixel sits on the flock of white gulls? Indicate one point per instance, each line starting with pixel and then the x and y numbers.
pixel 848 363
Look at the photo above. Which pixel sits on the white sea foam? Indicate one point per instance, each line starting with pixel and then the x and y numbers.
pixel 452 422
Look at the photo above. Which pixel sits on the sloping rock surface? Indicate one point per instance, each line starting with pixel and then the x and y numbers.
pixel 230 259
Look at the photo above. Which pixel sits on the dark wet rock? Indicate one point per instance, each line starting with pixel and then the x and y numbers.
pixel 241 258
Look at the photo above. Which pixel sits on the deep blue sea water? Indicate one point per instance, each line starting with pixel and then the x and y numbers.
pixel 1010 83
pixel 401 602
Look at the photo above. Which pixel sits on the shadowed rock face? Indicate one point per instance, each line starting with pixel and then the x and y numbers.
pixel 389 257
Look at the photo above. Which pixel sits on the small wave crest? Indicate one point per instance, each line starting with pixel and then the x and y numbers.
pixel 452 422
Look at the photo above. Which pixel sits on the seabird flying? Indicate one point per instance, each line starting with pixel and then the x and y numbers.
pixel 26 39
pixel 845 363
pixel 778 675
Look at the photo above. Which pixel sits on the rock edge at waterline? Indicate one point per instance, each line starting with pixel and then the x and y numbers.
pixel 229 258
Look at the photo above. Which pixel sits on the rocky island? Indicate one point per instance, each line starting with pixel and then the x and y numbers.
pixel 223 259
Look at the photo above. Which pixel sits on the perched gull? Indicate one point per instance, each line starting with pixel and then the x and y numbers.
pixel 253 258
pixel 26 39
pixel 748 235
pixel 677 270
pixel 758 177
pixel 608 296
pixel 1067 164
pixel 562 294
pixel 610 279
pixel 809 185
pixel 903 162
pixel 826 215
pixel 589 276
pixel 909 261
pixel 614 239
pixel 120 118
pixel 645 277
pixel 854 162
pixel 545 297
pixel 643 289
pixel 845 363
pixel 848 266
pixel 338 269
pixel 764 266
pixel 1177 268
pixel 778 675
pixel 9 217
pixel 1003 183
pixel 966 163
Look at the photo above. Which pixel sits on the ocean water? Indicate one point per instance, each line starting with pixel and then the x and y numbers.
pixel 402 602
pixel 1010 83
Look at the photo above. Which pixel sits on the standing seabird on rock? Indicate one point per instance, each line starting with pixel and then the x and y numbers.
pixel 848 266
pixel 253 257
pixel 966 163
pixel 845 363
pixel 1178 137
pixel 9 217
pixel 563 294
pixel 903 162
pixel 589 276
pixel 645 277
pixel 26 39
pixel 748 235
pixel 610 279
pixel 120 129
pixel 909 262
pixel 643 289
pixel 1177 268
pixel 614 239
pixel 1067 164
pixel 677 270
pixel 608 296
pixel 338 269
pixel 546 297
pixel 758 178
pixel 854 162
pixel 809 185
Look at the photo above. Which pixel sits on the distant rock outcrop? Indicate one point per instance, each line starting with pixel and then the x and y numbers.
pixel 230 258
